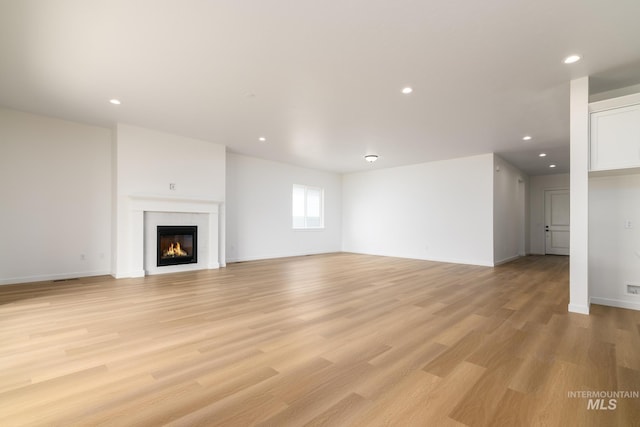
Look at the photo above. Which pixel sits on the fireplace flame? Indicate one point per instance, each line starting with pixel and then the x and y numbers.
pixel 174 250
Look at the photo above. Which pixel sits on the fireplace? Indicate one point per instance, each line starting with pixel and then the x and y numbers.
pixel 177 245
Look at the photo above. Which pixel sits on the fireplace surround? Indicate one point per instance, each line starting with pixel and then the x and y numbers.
pixel 146 212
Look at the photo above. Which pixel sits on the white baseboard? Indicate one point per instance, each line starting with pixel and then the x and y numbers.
pixel 275 256
pixel 434 259
pixel 49 277
pixel 632 305
pixel 578 308
pixel 139 273
pixel 506 260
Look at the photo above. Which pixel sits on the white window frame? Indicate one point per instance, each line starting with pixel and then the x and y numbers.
pixel 306 226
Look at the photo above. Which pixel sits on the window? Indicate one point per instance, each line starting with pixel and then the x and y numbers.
pixel 308 207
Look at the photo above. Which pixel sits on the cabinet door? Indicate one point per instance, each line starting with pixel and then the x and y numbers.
pixel 615 138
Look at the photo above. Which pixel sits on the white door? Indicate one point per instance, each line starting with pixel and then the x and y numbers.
pixel 556 228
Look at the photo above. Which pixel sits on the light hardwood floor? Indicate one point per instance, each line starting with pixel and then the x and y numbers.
pixel 333 340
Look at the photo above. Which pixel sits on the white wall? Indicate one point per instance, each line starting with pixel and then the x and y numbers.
pixel 440 211
pixel 538 185
pixel 55 193
pixel 614 251
pixel 579 197
pixel 613 224
pixel 259 223
pixel 509 211
pixel 147 161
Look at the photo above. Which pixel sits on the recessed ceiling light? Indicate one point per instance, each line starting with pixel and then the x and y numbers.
pixel 371 158
pixel 542 155
pixel 407 90
pixel 552 166
pixel 115 101
pixel 262 139
pixel 571 59
pixel 526 138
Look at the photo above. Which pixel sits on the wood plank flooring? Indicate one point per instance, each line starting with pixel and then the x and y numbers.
pixel 328 340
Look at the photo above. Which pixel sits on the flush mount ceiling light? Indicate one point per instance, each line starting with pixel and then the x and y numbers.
pixel 571 59
pixel 542 155
pixel 115 101
pixel 526 138
pixel 552 166
pixel 407 90
pixel 262 139
pixel 371 158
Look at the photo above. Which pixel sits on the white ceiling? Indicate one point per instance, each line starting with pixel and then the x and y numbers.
pixel 321 80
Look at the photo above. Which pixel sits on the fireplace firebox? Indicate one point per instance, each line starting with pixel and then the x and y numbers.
pixel 177 245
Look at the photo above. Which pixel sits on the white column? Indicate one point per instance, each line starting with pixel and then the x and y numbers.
pixel 123 240
pixel 137 243
pixel 213 262
pixel 579 251
pixel 222 248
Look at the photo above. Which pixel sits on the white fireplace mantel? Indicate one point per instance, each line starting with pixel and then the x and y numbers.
pixel 159 203
pixel 141 203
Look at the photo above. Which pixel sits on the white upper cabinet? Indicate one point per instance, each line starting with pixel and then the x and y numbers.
pixel 615 134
